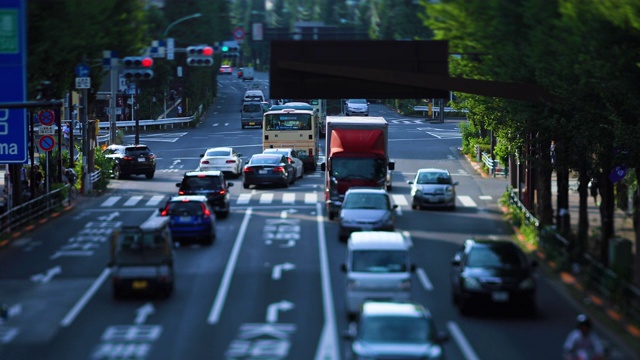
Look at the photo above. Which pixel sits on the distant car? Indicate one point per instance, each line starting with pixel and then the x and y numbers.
pixel 226 70
pixel 292 157
pixel 365 209
pixel 396 330
pixel 131 160
pixel 433 188
pixel 358 107
pixel 486 272
pixel 191 219
pixel 224 159
pixel 211 184
pixel 239 73
pixel 268 169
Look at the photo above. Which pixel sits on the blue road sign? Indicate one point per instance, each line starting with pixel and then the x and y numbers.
pixel 13 62
pixel 47 143
pixel 82 70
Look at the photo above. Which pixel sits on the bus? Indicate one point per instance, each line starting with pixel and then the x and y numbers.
pixel 289 127
pixel 318 104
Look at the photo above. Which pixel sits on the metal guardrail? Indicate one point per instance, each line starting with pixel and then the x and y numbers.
pixel 494 165
pixel 596 277
pixel 34 209
pixel 95 176
pixel 436 109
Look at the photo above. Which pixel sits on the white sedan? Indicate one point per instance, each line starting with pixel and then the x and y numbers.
pixel 292 156
pixel 224 159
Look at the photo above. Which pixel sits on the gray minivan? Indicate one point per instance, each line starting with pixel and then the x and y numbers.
pixel 378 268
pixel 251 113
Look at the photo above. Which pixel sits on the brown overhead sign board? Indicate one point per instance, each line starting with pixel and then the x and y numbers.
pixel 355 69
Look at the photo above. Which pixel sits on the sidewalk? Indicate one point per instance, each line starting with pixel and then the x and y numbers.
pixel 598 308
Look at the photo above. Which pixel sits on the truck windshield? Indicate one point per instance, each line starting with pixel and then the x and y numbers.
pixel 358 168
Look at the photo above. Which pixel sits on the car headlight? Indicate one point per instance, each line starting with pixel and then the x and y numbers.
pixel 405 285
pixel 346 221
pixel 527 284
pixel 448 190
pixel 385 219
pixel 471 283
pixel 418 193
pixel 352 285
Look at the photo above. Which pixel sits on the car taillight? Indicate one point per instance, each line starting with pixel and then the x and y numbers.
pixel 278 169
pixel 248 169
pixel 127 158
pixel 310 152
pixel 204 162
pixel 205 210
pixel 290 160
pixel 230 161
pixel 181 192
pixel 222 192
pixel 165 212
pixel 151 156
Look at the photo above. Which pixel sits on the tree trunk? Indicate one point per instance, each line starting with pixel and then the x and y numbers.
pixel 607 209
pixel 543 188
pixel 563 216
pixel 583 214
pixel 636 227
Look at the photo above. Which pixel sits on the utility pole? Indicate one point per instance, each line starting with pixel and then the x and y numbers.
pixel 112 100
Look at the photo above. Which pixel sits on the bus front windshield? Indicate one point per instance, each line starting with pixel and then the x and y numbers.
pixel 287 122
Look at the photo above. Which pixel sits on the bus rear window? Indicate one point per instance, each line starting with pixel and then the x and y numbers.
pixel 288 122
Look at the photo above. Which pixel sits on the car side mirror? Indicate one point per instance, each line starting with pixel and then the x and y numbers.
pixel 343 267
pixel 410 182
pixel 392 165
pixel 201 155
pixel 442 337
pixel 323 167
pixel 178 184
pixel 229 184
pixel 412 268
pixel 455 183
pixel 395 206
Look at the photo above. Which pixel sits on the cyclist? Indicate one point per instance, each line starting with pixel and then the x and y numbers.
pixel 582 343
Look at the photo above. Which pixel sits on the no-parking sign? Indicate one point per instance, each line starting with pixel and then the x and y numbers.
pixel 46 117
pixel 47 143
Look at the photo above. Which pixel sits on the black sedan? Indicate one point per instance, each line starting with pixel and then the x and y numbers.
pixel 492 272
pixel 268 169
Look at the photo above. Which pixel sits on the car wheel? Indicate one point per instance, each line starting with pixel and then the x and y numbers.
pixel 117 293
pixel 294 177
pixel 301 173
pixel 245 185
pixel 454 297
pixel 209 239
pixel 286 182
pixel 116 172
pixel 243 126
pixel 389 187
pixel 464 306
pixel 331 215
pixel 150 174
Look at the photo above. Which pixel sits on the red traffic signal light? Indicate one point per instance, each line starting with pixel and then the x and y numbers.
pixel 199 55
pixel 147 62
pixel 207 51
pixel 137 67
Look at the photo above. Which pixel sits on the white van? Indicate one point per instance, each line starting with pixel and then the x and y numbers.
pixel 254 95
pixel 247 73
pixel 378 268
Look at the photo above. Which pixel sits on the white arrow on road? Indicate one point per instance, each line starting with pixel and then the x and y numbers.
pixel 285 213
pixel 276 273
pixel 175 162
pixel 143 312
pixel 109 217
pixel 46 276
pixel 273 309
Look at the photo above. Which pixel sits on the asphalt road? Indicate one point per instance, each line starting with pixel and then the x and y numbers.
pixel 271 285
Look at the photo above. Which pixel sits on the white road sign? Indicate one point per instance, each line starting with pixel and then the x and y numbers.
pixel 46 130
pixel 83 83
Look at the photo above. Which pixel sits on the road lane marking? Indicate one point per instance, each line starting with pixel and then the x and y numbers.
pixel 467 201
pixel 310 198
pixel 288 198
pixel 243 199
pixel 75 310
pixel 424 279
pixel 465 348
pixel 111 200
pixel 155 200
pixel 133 200
pixel 266 198
pixel 399 200
pixel 218 303
pixel 485 197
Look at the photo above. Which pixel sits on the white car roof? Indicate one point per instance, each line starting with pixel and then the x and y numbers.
pixel 377 240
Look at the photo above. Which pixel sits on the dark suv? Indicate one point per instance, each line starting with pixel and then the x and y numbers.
pixel 131 160
pixel 211 184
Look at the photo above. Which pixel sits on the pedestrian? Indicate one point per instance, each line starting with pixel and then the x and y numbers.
pixel 66 132
pixel 594 187
pixel 38 177
pixel 179 110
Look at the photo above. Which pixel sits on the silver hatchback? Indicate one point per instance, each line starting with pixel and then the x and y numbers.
pixel 366 209
pixel 433 188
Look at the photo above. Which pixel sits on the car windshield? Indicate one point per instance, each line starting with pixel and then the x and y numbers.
pixel 379 261
pixel 495 257
pixel 251 108
pixel 395 329
pixel 202 183
pixel 358 168
pixel 357 101
pixel 366 201
pixel 181 208
pixel 218 153
pixel 433 178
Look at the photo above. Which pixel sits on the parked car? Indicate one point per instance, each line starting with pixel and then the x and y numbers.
pixel 268 169
pixel 292 157
pixel 390 330
pixel 226 70
pixel 191 219
pixel 365 209
pixel 486 272
pixel 211 184
pixel 240 73
pixel 433 188
pixel 131 160
pixel 357 107
pixel 224 159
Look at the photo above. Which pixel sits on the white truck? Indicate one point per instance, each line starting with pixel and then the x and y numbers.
pixel 356 154
pixel 247 73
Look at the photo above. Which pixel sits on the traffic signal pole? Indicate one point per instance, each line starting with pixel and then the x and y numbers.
pixel 112 101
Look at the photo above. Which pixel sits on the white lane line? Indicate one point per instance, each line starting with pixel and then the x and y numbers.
pixel 111 200
pixel 310 198
pixel 266 198
pixel 243 199
pixel 467 201
pixel 399 200
pixel 221 295
pixel 424 279
pixel 75 310
pixel 133 200
pixel 485 197
pixel 288 198
pixel 328 345
pixel 155 200
pixel 465 348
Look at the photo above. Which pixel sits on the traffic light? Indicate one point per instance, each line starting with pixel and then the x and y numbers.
pixel 230 52
pixel 138 68
pixel 200 55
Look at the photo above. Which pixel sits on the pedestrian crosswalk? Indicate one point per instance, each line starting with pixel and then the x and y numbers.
pixel 262 198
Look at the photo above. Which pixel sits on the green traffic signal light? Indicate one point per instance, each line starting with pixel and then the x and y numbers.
pixel 225 48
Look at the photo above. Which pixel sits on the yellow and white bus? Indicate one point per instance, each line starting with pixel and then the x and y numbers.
pixel 291 127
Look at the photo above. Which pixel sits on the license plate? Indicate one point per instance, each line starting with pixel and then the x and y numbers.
pixel 185 218
pixel 252 123
pixel 142 159
pixel 500 296
pixel 262 171
pixel 139 284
